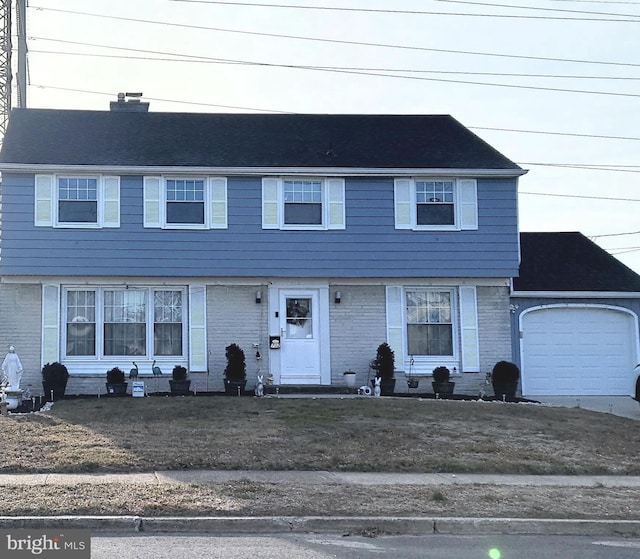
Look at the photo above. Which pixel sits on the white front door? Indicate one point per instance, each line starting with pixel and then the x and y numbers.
pixel 300 336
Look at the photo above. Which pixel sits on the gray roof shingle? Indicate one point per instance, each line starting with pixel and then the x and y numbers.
pixel 76 137
pixel 561 261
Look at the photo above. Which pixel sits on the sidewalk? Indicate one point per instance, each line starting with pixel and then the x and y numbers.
pixel 347 525
pixel 321 477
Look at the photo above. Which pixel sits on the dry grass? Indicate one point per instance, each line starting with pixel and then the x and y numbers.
pixel 403 435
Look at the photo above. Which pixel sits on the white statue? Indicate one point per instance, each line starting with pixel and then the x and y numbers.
pixel 376 388
pixel 12 368
pixel 260 386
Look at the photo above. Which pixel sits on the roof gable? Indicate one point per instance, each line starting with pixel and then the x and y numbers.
pixel 569 261
pixel 117 138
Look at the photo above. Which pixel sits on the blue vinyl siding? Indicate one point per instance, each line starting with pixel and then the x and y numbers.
pixel 370 246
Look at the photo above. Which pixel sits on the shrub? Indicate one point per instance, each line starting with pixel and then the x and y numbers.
pixel 441 374
pixel 115 376
pixel 55 373
pixel 504 371
pixel 236 368
pixel 384 363
pixel 179 373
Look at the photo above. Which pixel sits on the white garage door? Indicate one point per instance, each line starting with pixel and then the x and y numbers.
pixel 578 351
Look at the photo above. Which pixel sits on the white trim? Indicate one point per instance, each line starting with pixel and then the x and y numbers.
pixel 262 171
pixel 576 294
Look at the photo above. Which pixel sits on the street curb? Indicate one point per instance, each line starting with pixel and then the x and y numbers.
pixel 347 525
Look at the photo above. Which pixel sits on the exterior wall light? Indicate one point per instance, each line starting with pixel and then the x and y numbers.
pixel 337 297
pixel 258 297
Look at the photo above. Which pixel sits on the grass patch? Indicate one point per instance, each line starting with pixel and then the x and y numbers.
pixel 388 434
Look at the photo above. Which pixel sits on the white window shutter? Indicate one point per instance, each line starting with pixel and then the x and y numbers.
pixel 403 205
pixel 152 202
pixel 218 203
pixel 270 203
pixel 44 199
pixel 468 203
pixel 336 204
pixel 50 323
pixel 111 202
pixel 395 324
pixel 197 328
pixel 469 329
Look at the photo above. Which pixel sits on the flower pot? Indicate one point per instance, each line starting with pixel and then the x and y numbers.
pixel 234 387
pixel 180 387
pixel 350 379
pixel 116 389
pixel 53 390
pixel 387 386
pixel 505 390
pixel 443 389
pixel 412 383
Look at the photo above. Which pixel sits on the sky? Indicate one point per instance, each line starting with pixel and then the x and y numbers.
pixel 552 84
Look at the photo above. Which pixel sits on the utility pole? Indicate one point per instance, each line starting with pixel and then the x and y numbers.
pixel 21 24
pixel 5 65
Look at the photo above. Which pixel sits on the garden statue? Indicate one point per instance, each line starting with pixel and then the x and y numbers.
pixel 260 386
pixel 376 388
pixel 12 369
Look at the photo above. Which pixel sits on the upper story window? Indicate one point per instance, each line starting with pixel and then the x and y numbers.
pixel 303 203
pixel 77 201
pixel 436 204
pixel 185 202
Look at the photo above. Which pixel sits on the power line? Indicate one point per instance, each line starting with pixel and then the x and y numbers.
pixel 614 234
pixel 547 133
pixel 206 60
pixel 339 41
pixel 616 168
pixel 112 95
pixel 607 198
pixel 431 13
pixel 384 75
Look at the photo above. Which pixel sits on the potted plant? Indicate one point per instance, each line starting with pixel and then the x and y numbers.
pixel 235 373
pixel 504 377
pixel 384 367
pixel 116 386
pixel 54 380
pixel 179 382
pixel 350 378
pixel 441 384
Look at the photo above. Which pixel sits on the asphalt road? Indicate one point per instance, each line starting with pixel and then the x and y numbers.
pixel 323 546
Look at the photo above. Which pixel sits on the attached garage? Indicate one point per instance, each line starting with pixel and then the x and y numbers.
pixel 578 350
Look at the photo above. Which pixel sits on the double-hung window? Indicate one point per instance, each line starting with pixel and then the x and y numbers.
pixel 303 203
pixel 185 202
pixel 77 201
pixel 106 322
pixel 429 322
pixel 436 204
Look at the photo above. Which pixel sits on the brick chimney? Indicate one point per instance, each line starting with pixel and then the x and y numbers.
pixel 129 102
